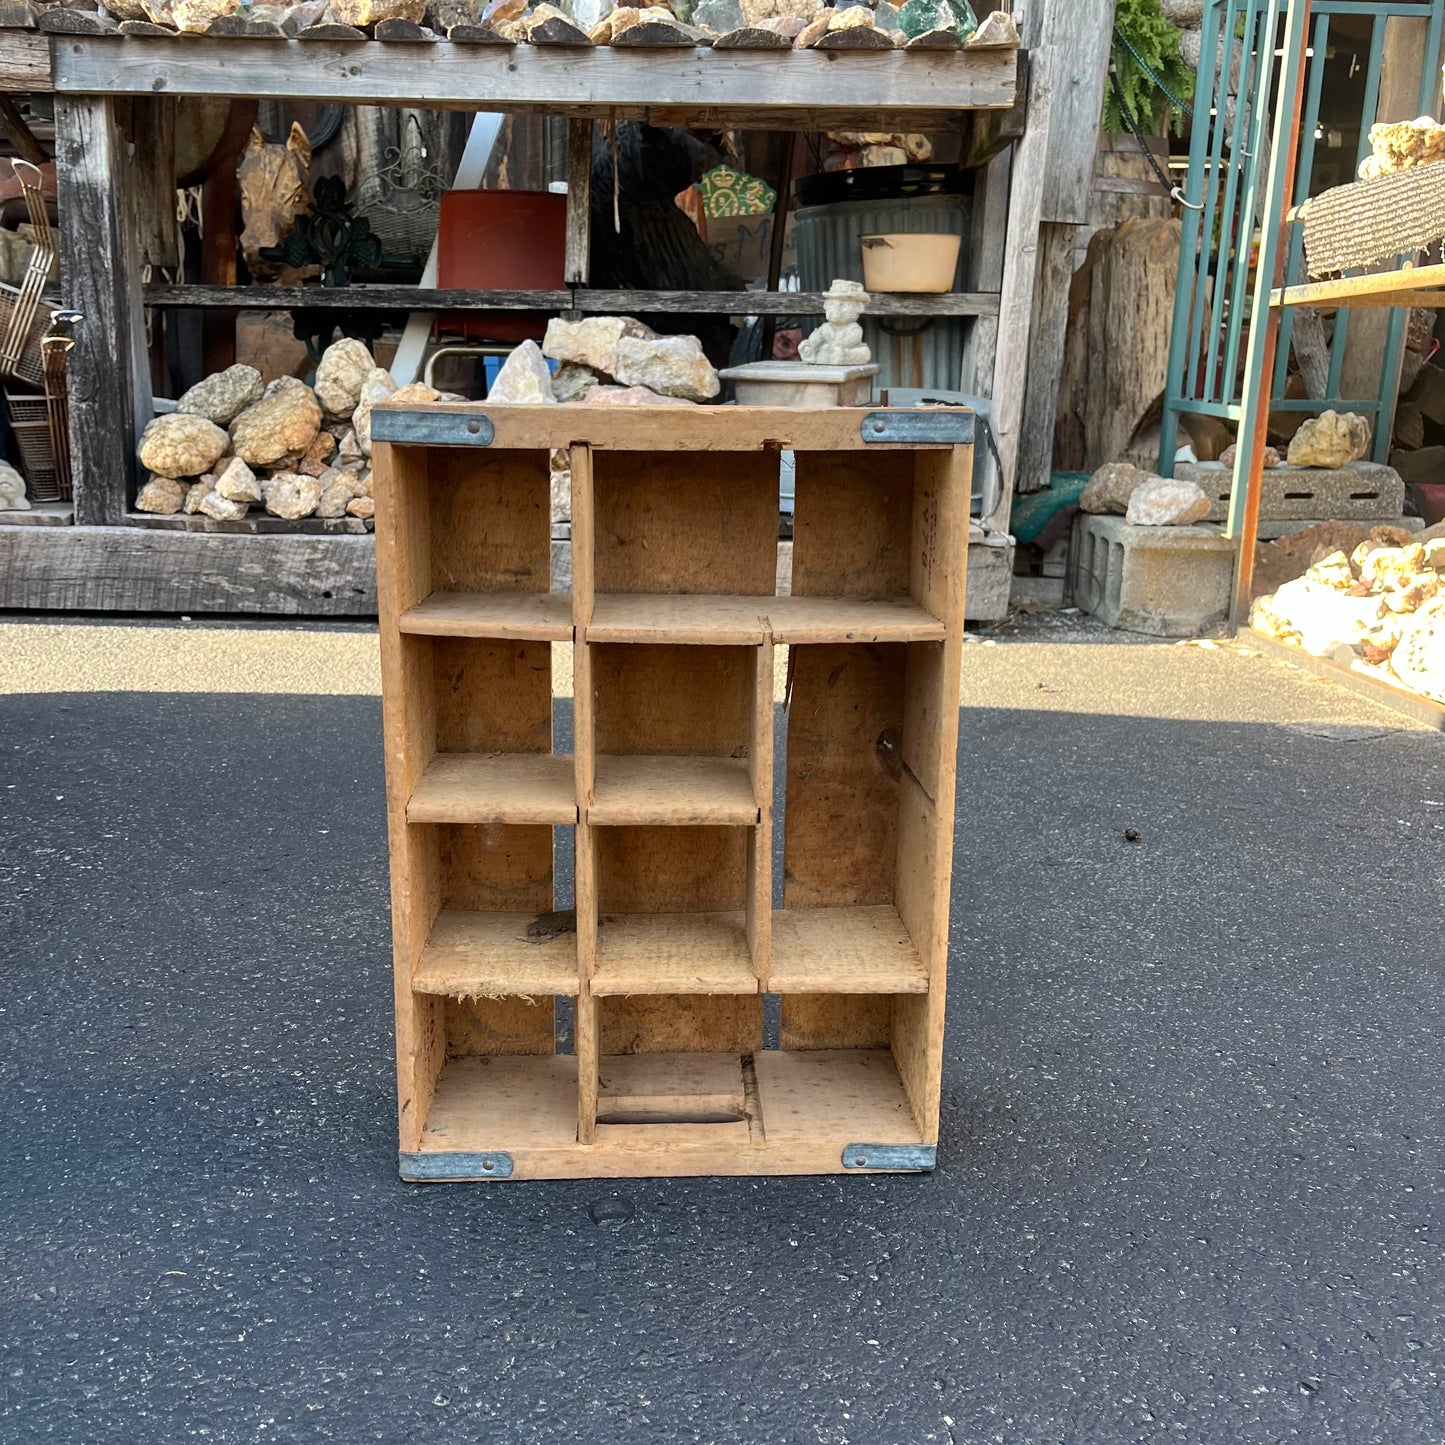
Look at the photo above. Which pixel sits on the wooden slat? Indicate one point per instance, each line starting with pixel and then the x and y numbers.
pixel 673 953
pixel 534 616
pixel 659 1088
pixel 759 906
pixel 25 67
pixel 507 1103
pixel 579 202
pixel 495 788
pixel 676 791
pixel 1409 286
pixel 844 950
pixel 851 1096
pixel 803 89
pixel 589 302
pixel 739 621
pixel 489 954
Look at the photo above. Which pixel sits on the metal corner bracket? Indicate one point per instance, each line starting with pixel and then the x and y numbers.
pixel 440 1168
pixel 432 428
pixel 890 1156
pixel 941 426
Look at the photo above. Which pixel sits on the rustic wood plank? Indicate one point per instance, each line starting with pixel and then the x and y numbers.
pixel 474 954
pixel 1046 356
pixel 604 303
pixel 109 373
pixel 671 791
pixel 659 1088
pixel 25 67
pixel 579 201
pixel 673 953
pixel 1076 38
pixel 927 88
pixel 494 788
pixel 154 179
pixel 537 616
pixel 844 950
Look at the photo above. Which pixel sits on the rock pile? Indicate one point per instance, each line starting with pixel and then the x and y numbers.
pixel 1142 499
pixel 1385 604
pixel 234 443
pixel 607 360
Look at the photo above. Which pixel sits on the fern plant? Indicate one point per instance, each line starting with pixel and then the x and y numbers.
pixel 1157 43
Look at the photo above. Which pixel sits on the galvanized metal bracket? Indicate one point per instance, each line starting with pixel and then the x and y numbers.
pixel 431 428
pixel 939 425
pixel 438 1168
pixel 890 1156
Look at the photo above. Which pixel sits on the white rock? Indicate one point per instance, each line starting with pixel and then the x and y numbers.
pixel 292 496
pixel 237 482
pixel 1166 502
pixel 377 388
pixel 592 342
pixel 344 366
pixel 12 490
pixel 1319 617
pixel 571 382
pixel 1419 657
pixel 524 380
pixel 672 365
pixel 213 504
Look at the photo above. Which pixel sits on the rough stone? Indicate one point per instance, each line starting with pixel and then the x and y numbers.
pixel 361 507
pixel 592 342
pixel 237 482
pixel 344 365
pixel 292 496
pixel 12 490
pixel 631 396
pixel 348 449
pixel 181 445
pixel 365 13
pixel 223 397
pixel 1165 502
pixel 285 420
pixel 719 16
pixel 161 495
pixel 1419 657
pixel 672 365
pixel 197 494
pixel 190 17
pixel 1319 617
pixel 213 504
pixel 524 379
pixel 377 388
pixel 334 499
pixel 999 28
pixel 1110 488
pixel 1333 571
pixel 418 393
pixel 571 382
pixel 317 457
pixel 1272 457
pixel 1331 439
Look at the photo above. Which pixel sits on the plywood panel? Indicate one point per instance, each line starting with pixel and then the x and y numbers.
pixel 495 866
pixel 665 953
pixel 491 696
pixel 852 524
pixel 707 522
pixel 851 1096
pixel 672 699
pixel 844 950
pixel 654 1088
pixel 486 955
pixel 491 520
pixel 503 1103
pixel 500 1026
pixel 723 1023
pixel 669 870
pixel 845 731
pixel 835 1021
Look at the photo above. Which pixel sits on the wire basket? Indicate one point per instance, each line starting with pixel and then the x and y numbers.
pixel 30 421
pixel 24 320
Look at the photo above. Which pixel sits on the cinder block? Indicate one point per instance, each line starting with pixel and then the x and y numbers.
pixel 1166 581
pixel 990 580
pixel 1363 491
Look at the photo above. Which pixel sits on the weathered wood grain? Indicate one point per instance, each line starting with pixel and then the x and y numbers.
pixel 25 67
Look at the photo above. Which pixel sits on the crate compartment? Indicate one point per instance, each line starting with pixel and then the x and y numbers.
pixel 672 1088
pixel 833 1096
pixel 861 949
pixel 674 735
pixel 503 1102
pixel 673 911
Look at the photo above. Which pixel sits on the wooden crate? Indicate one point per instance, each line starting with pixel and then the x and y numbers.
pixel 667 801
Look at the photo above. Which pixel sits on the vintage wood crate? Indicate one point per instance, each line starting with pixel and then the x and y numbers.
pixel 682 938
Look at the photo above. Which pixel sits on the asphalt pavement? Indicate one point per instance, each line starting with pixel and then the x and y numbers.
pixel 1189 1186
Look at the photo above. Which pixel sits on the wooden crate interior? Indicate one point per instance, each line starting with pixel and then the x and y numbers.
pixel 676 944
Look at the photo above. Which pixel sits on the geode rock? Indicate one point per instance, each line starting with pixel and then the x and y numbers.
pixel 284 421
pixel 197 494
pixel 1110 487
pixel 237 482
pixel 292 496
pixel 179 445
pixel 365 13
pixel 361 507
pixel 672 365
pixel 334 499
pixel 344 366
pixel 524 380
pixel 223 397
pixel 592 342
pixel 1166 502
pixel 377 388
pixel 1331 439
pixel 161 495
pixel 213 504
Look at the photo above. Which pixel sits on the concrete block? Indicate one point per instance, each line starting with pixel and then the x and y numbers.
pixel 1165 581
pixel 1363 491
pixel 990 580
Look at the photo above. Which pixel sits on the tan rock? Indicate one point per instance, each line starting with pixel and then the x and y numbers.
pixel 237 482
pixel 164 497
pixel 334 500
pixel 378 387
pixel 361 507
pixel 284 421
pixel 592 342
pixel 222 397
pixel 417 393
pixel 1168 502
pixel 1110 488
pixel 190 17
pixel 997 29
pixel 1331 439
pixel 292 496
pixel 213 504
pixel 365 13
pixel 1333 571
pixel 631 396
pixel 1272 457
pixel 672 365
pixel 345 364
pixel 197 494
pixel 180 445
pixel 524 380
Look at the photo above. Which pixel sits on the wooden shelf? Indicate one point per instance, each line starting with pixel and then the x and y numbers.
pixel 672 953
pixel 503 1102
pixel 671 1088
pixel 747 621
pixel 677 791
pixel 849 1095
pixel 844 950
pixel 495 788
pixel 489 955
pixel 1409 286
pixel 533 616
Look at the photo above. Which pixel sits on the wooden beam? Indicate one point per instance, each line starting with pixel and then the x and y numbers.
pixel 12 125
pixel 1408 286
pixel 1078 36
pixel 25 67
pixel 1046 355
pixel 603 303
pixel 109 375
pixel 128 569
pixel 879 90
pixel 579 201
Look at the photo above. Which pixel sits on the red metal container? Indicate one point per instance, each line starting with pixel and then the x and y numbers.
pixel 501 241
